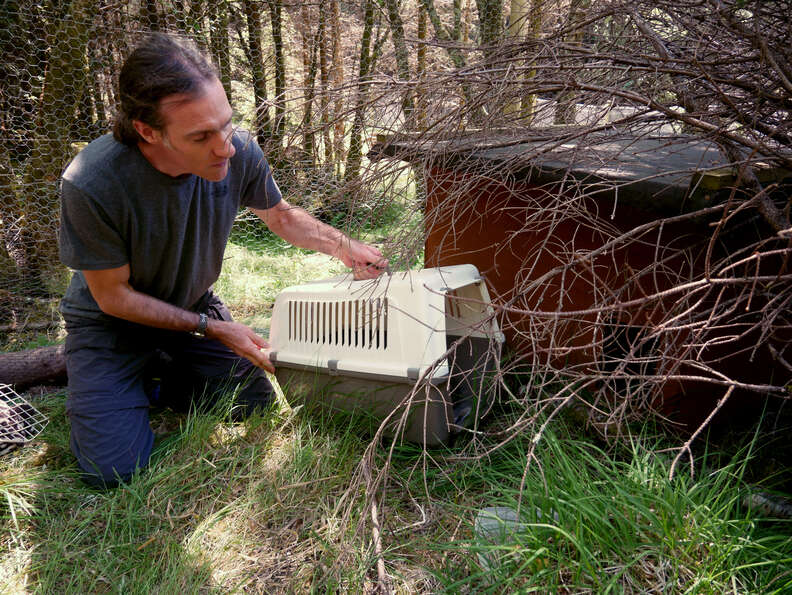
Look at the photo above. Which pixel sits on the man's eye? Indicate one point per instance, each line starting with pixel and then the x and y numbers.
pixel 201 139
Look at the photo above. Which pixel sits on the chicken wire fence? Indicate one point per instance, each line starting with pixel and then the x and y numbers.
pixel 58 91
pixel 320 83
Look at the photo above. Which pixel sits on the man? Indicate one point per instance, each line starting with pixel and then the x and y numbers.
pixel 145 217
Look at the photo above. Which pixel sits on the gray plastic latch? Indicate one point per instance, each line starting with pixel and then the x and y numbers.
pixel 332 367
pixel 273 356
pixel 412 373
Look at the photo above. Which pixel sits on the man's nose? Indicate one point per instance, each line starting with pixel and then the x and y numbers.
pixel 225 148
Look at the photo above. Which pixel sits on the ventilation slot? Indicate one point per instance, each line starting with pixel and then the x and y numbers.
pixel 350 323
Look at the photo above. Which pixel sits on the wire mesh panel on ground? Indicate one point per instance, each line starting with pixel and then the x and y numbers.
pixel 20 422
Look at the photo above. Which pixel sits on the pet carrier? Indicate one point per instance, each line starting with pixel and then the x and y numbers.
pixel 417 348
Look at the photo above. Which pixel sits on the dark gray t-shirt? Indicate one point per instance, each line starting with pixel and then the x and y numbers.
pixel 117 209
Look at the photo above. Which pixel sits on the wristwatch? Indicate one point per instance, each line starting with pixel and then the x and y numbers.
pixel 200 330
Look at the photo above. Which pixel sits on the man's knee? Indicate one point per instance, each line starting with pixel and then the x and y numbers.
pixel 110 446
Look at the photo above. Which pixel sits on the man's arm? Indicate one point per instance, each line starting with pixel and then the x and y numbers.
pixel 301 229
pixel 116 297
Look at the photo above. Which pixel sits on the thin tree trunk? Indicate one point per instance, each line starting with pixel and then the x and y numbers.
pixel 276 23
pixel 338 82
pixel 324 89
pixel 400 49
pixel 256 62
pixel 456 56
pixel 465 39
pixel 490 23
pixel 219 42
pixel 96 89
pixel 85 109
pixel 442 34
pixel 9 209
pixel 525 18
pixel 310 66
pixel 420 95
pixel 355 154
pixel 566 107
pixel 420 102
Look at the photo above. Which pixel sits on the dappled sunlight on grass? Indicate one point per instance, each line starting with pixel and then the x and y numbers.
pixel 251 280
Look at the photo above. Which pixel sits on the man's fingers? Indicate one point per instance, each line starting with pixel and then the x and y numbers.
pixel 266 363
pixel 259 353
pixel 259 341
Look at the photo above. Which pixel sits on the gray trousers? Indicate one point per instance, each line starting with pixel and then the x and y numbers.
pixel 118 370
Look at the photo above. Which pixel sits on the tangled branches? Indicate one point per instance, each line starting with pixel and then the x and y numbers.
pixel 622 176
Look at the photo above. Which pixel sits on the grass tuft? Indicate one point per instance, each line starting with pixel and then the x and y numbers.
pixel 594 524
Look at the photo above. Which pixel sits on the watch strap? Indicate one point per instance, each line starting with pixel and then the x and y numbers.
pixel 203 321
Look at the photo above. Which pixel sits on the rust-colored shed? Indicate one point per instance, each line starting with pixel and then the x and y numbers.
pixel 567 224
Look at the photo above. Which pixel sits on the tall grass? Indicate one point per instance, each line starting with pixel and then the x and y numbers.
pixel 257 507
pixel 590 522
pixel 223 507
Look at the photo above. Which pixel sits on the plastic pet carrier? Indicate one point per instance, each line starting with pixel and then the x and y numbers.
pixel 418 347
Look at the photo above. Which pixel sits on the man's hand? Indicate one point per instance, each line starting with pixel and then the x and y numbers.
pixel 242 340
pixel 365 260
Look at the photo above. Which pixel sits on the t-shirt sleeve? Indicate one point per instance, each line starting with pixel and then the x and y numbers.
pixel 260 190
pixel 88 238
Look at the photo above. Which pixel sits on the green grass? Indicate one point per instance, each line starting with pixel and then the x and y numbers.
pixel 221 507
pixel 259 507
pixel 592 523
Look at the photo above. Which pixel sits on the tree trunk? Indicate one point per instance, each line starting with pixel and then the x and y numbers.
pixel 525 18
pixel 456 56
pixel 355 154
pixel 566 107
pixel 256 62
pixel 96 89
pixel 52 148
pixel 324 90
pixel 23 369
pixel 338 82
pixel 421 102
pixel 490 23
pixel 420 94
pixel 442 34
pixel 400 48
pixel 85 109
pixel 310 66
pixel 276 22
pixel 219 42
pixel 9 211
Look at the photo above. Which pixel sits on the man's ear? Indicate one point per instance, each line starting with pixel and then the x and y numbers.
pixel 146 132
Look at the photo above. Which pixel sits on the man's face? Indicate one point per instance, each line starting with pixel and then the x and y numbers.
pixel 196 138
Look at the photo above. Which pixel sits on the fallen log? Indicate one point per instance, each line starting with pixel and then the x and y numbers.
pixel 23 369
